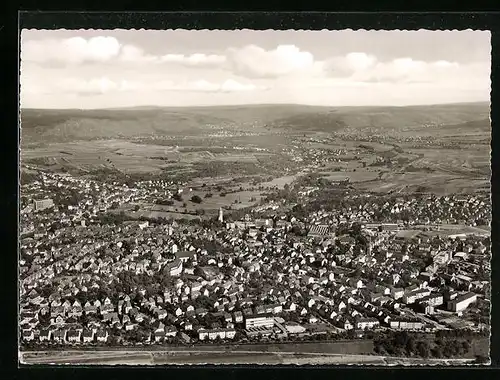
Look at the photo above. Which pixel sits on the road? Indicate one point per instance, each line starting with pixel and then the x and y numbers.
pixel 218 357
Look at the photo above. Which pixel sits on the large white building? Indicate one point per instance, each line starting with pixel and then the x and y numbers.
pixel 462 302
pixel 406 324
pixel 43 204
pixel 261 320
pixel 216 333
pixel 367 323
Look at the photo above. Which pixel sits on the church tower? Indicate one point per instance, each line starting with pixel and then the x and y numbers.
pixel 221 215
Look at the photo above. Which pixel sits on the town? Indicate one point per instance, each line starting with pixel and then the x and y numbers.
pixel 314 260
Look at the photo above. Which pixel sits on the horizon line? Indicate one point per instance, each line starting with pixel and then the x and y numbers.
pixel 152 106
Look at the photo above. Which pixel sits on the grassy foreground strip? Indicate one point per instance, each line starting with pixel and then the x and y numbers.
pixel 219 357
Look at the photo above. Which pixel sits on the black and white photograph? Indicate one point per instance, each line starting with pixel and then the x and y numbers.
pixel 275 197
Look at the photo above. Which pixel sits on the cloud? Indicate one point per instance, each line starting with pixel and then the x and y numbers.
pixel 78 50
pixel 407 70
pixel 70 50
pixel 229 85
pixel 197 59
pixel 93 86
pixel 131 53
pixel 105 85
pixel 349 64
pixel 253 61
pixel 361 67
pixel 359 61
pixel 55 71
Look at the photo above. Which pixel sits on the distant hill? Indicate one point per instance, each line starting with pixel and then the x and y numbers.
pixel 387 117
pixel 65 125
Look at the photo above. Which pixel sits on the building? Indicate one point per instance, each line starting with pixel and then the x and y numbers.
pixel 366 323
pixel 45 335
pixel 403 324
pixel 28 335
pixel 238 317
pixel 260 320
pixel 159 336
pixel 43 204
pixel 60 335
pixel 461 256
pixel 102 335
pixel 389 226
pixel 216 333
pixel 260 331
pixel 461 303
pixel 413 296
pixel 397 293
pixel 319 230
pixel 74 336
pixel 174 268
pixel 433 300
pixel 185 256
pixel 170 331
pixel 443 258
pixel 221 215
pixel 259 223
pixel 88 335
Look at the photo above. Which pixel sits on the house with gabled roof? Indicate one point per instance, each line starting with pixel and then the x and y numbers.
pixel 28 335
pixel 170 331
pixel 127 307
pixel 161 313
pixel 159 335
pixel 73 336
pixel 139 317
pixel 45 335
pixel 66 305
pixel 129 326
pixel 56 311
pixel 75 311
pixel 102 335
pixel 187 325
pixel 238 317
pixel 88 335
pixel 60 335
pixel 58 321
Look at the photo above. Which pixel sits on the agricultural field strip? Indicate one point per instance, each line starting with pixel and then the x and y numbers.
pixel 92 355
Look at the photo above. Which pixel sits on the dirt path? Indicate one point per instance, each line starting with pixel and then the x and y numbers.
pixel 222 357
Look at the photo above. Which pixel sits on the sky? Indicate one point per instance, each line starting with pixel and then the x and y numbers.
pixel 126 68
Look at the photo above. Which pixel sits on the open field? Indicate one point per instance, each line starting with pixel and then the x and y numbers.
pixel 340 352
pixel 380 149
pixel 438 183
pixel 227 357
pixel 280 182
pixel 129 157
pixel 243 199
pixel 360 175
pixel 480 346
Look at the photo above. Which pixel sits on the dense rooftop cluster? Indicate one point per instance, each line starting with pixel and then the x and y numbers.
pixel 369 263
